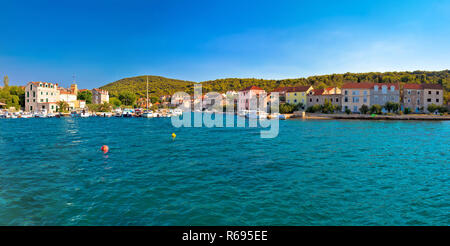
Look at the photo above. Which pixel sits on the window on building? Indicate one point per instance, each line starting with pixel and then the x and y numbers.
pixel 295 94
pixel 28 94
pixel 345 92
pixel 409 92
pixel 46 99
pixel 355 108
pixel 34 94
pixel 295 100
pixel 365 99
pixel 31 87
pixel 437 100
pixel 365 92
pixel 429 92
pixel 376 88
pixel 310 100
pixel 384 89
pixel 317 99
pixel 437 92
pixel 337 99
pixel 429 100
pixel 392 88
pixel 345 99
pixel 31 108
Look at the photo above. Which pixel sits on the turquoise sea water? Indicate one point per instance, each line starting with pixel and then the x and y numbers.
pixel 52 172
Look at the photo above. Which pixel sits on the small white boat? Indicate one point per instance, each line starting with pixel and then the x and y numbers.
pixel 42 114
pixel 105 114
pixel 51 115
pixel 177 112
pixel 85 114
pixel 26 116
pixel 148 114
pixel 127 113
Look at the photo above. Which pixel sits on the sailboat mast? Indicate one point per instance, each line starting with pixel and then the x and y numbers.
pixel 147 93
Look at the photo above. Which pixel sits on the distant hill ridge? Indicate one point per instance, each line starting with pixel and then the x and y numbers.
pixel 159 86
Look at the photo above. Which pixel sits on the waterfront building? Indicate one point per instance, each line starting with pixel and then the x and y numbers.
pixel 412 97
pixel 251 98
pixel 100 96
pixel 319 96
pixel 281 93
pixel 230 98
pixel 354 95
pixel 296 95
pixel 142 103
pixel 40 96
pixel 432 94
pixel 383 93
pixel 44 96
pixel 69 96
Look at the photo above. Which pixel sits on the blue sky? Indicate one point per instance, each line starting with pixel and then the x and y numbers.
pixel 103 41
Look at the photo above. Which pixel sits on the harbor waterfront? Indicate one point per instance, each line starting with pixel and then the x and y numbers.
pixel 333 172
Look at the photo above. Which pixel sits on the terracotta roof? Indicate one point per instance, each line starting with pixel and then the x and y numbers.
pixel 318 91
pixel 299 88
pixel 65 91
pixel 412 86
pixel 396 85
pixel 100 91
pixel 252 88
pixel 432 86
pixel 281 89
pixel 40 82
pixel 358 86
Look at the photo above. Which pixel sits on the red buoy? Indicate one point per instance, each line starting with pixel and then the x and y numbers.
pixel 105 149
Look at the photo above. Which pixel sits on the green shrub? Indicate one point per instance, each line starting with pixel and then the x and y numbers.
pixel 348 111
pixel 364 109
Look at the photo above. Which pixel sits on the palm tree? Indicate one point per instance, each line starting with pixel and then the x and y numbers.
pixel 63 106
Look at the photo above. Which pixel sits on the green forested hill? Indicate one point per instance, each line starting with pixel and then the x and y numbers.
pixel 157 85
pixel 163 86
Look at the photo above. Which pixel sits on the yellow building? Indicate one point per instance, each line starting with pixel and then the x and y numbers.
pixel 296 95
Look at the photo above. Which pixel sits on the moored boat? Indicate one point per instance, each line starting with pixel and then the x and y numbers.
pixel 148 114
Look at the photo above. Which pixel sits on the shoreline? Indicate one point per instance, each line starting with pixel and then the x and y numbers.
pixel 417 117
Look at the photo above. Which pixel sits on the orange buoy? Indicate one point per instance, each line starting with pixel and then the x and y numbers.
pixel 105 149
